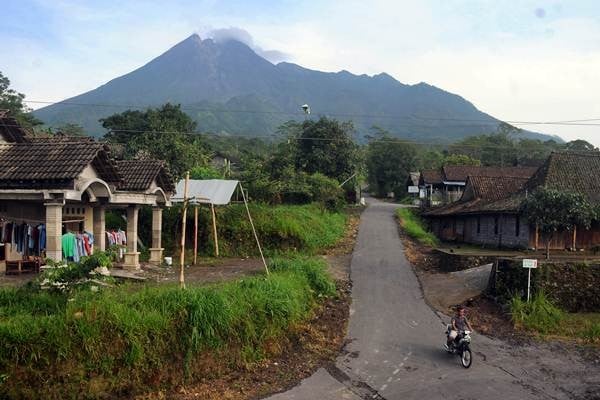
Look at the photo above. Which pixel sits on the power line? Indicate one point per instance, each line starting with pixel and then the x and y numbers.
pixel 485 122
pixel 274 136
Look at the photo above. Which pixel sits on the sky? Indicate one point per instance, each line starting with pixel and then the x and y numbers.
pixel 515 60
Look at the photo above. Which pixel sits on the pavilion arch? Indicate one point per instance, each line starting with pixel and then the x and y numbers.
pixel 96 188
pixel 161 197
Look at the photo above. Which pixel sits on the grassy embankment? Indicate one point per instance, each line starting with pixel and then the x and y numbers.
pixel 413 226
pixel 541 317
pixel 283 228
pixel 128 339
pixel 122 340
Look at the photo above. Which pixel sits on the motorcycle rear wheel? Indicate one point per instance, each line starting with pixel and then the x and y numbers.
pixel 466 358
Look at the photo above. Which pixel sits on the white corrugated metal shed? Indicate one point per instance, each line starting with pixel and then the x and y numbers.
pixel 208 191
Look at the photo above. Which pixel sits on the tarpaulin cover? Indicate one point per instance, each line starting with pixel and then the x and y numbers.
pixel 215 191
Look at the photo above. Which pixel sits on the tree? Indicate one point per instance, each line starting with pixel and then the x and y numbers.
pixel 552 211
pixel 12 101
pixel 163 133
pixel 430 159
pixel 461 159
pixel 580 145
pixel 325 146
pixel 71 130
pixel 389 162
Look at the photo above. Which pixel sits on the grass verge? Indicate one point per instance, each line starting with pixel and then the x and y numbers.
pixel 282 228
pixel 413 226
pixel 540 316
pixel 125 340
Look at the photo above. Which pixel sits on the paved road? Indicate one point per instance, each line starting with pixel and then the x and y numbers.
pixel 395 338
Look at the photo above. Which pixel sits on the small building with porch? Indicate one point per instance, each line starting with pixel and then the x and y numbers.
pixel 52 185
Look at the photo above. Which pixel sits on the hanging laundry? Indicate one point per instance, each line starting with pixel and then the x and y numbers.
pixel 69 246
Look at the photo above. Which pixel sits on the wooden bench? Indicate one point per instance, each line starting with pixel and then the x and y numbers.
pixel 18 267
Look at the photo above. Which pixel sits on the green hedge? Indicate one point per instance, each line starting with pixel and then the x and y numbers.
pixel 124 339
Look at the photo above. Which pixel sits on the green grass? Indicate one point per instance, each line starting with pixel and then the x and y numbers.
pixel 542 317
pixel 53 344
pixel 538 315
pixel 301 228
pixel 413 226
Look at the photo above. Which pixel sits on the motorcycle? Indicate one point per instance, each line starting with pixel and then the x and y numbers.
pixel 460 346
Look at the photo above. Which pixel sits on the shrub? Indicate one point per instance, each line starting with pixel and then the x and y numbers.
pixel 539 314
pixel 413 226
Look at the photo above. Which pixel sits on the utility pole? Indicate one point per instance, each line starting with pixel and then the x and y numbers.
pixel 182 256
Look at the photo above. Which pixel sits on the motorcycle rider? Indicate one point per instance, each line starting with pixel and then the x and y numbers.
pixel 460 323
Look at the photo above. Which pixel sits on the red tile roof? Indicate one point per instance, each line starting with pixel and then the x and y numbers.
pixel 460 173
pixel 139 175
pixel 53 165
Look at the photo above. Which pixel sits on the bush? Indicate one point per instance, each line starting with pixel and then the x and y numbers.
pixel 64 276
pixel 413 226
pixel 120 340
pixel 539 315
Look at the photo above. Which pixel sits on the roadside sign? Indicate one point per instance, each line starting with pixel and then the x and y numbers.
pixel 413 189
pixel 529 263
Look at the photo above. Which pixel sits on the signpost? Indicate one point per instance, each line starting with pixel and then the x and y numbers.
pixel 413 189
pixel 529 264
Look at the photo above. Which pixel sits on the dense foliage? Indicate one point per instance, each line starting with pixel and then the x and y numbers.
pixel 123 339
pixel 326 146
pixel 13 101
pixel 389 162
pixel 163 133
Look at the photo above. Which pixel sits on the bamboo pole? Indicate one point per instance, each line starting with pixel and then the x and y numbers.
pixel 214 221
pixel 575 238
pixel 182 256
pixel 195 234
pixel 254 229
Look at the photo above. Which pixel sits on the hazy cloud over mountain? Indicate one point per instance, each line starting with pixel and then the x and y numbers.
pixel 242 35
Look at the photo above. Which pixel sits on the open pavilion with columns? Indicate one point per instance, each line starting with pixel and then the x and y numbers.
pixel 61 180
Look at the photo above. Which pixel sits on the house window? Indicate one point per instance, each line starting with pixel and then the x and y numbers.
pixel 478 225
pixel 517 226
pixel 495 225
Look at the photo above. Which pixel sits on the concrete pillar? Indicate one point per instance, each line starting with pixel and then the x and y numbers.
pixel 88 219
pixel 156 251
pixel 99 228
pixel 132 257
pixel 54 211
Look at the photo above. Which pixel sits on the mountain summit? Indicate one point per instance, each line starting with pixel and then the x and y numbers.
pixel 226 87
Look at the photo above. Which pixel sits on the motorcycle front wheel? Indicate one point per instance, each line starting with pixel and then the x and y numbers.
pixel 466 358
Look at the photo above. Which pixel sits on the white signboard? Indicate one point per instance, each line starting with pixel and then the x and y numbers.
pixel 413 189
pixel 529 264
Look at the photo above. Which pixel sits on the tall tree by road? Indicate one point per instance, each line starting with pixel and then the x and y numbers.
pixel 389 162
pixel 325 146
pixel 164 133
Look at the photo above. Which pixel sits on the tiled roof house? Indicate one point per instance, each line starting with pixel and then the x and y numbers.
pixel 68 182
pixel 488 212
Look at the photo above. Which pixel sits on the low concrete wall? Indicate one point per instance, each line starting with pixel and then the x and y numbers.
pixel 449 262
pixel 573 286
